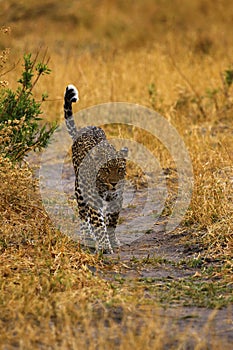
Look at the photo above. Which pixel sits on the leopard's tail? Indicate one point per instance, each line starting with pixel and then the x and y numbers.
pixel 70 96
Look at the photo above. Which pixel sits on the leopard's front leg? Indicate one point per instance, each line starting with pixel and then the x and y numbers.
pixel 111 223
pixel 92 220
pixel 99 229
pixel 112 216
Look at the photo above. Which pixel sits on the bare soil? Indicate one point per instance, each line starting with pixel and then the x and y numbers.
pixel 169 251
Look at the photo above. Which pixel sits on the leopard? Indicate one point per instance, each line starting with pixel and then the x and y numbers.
pixel 99 179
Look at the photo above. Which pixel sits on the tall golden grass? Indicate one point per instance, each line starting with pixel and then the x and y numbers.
pixel 169 56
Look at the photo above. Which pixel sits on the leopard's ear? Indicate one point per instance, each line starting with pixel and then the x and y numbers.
pixel 123 152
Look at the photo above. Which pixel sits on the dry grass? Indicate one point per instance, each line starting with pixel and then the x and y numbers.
pixel 164 56
pixel 39 267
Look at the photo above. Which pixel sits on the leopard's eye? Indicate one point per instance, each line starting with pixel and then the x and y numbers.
pixel 104 170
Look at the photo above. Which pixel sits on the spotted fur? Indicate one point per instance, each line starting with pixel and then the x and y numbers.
pixel 100 171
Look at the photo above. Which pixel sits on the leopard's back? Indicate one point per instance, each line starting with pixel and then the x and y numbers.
pixel 98 166
pixel 86 140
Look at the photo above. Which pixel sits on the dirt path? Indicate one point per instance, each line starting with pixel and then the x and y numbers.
pixel 162 263
pixel 159 261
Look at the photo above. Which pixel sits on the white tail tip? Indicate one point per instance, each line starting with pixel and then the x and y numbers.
pixel 71 87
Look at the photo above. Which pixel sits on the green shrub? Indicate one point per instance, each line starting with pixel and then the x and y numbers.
pixel 20 127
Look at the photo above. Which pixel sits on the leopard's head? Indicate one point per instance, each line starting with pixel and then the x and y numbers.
pixel 110 177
